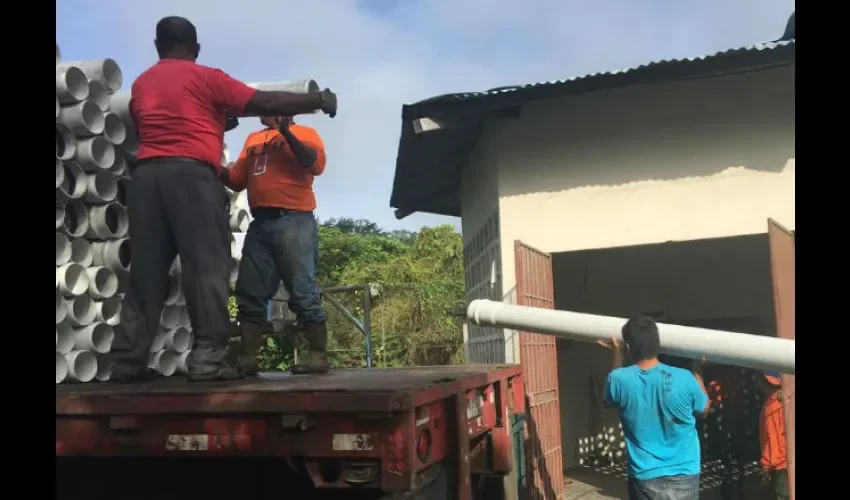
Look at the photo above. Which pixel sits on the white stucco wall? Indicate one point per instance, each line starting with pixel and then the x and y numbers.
pixel 648 163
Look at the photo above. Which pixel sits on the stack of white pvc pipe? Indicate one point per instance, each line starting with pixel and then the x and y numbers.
pixel 95 145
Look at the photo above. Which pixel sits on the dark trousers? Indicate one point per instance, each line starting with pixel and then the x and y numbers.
pixel 779 480
pixel 665 488
pixel 281 245
pixel 175 206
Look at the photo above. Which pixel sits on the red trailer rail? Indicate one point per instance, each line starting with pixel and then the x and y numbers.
pixel 392 430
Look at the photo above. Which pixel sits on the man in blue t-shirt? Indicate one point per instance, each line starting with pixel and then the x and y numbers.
pixel 657 405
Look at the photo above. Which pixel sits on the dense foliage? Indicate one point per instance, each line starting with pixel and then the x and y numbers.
pixel 416 284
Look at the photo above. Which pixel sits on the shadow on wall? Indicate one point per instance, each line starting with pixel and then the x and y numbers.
pixel 652 132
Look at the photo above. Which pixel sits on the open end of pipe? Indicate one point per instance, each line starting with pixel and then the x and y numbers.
pixel 63 249
pixel 64 338
pixel 114 129
pixel 102 336
pixel 104 367
pixel 182 362
pixel 115 218
pixel 173 291
pixel 81 252
pixel 98 95
pixel 73 185
pixel 102 152
pixel 112 76
pixel 60 214
pixel 123 185
pixel 81 310
pixel 178 339
pixel 82 365
pixel 124 254
pixel 109 310
pixel 92 117
pixel 104 283
pixel 76 221
pixel 158 343
pixel 60 172
pixel 170 317
pixel 66 142
pixel 61 311
pixel 73 279
pixel 101 186
pixel 164 362
pixel 76 83
pixel 120 166
pixel 184 320
pixel 61 368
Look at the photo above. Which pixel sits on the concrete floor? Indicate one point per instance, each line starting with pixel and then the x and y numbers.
pixel 609 483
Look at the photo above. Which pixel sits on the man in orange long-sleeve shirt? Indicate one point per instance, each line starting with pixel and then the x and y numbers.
pixel 772 436
pixel 277 166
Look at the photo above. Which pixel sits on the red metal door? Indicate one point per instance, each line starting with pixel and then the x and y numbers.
pixel 782 272
pixel 539 359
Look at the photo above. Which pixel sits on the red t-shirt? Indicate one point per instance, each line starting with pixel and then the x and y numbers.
pixel 180 108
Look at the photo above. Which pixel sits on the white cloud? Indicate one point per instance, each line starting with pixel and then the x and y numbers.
pixel 380 54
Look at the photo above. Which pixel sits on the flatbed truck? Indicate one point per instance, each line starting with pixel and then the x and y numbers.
pixel 429 433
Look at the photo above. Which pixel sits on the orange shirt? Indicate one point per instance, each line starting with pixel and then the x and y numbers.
pixel 272 175
pixel 772 434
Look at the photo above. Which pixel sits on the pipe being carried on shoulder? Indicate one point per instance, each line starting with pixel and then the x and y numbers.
pixel 739 349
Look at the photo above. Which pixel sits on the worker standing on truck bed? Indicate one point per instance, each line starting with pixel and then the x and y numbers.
pixel 774 454
pixel 176 204
pixel 277 166
pixel 657 404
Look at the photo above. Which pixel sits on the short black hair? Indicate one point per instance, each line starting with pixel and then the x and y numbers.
pixel 174 31
pixel 640 333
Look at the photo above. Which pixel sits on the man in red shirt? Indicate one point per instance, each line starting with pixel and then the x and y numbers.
pixel 277 166
pixel 176 203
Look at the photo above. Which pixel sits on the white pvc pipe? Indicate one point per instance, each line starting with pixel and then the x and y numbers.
pixel 81 311
pixel 108 311
pixel 739 349
pixel 65 338
pixel 114 254
pixel 66 142
pixel 164 362
pixel 85 119
pixel 183 362
pixel 81 252
pixel 234 270
pixel 119 103
pixel 176 268
pixel 184 320
pixel 119 168
pixel 225 154
pixel 76 221
pixel 73 280
pixel 100 187
pixel 60 172
pixel 96 337
pixel 63 249
pixel 61 368
pixel 173 291
pixel 98 95
pixel 170 317
pixel 158 343
pixel 297 86
pixel 60 212
pixel 104 367
pixel 106 71
pixel 57 107
pixel 82 365
pixel 95 153
pixel 61 311
pixel 238 220
pixel 113 129
pixel 73 186
pixel 103 283
pixel 107 222
pixel 71 85
pixel 177 339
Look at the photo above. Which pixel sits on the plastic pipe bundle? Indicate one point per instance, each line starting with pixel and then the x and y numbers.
pixel 95 146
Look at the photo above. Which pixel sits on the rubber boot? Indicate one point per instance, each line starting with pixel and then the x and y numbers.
pixel 206 364
pixel 252 341
pixel 315 361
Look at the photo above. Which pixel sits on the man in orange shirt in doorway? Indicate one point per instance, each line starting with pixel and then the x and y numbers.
pixel 772 436
pixel 277 166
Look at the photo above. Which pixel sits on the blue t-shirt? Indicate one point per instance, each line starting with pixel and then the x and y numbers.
pixel 657 411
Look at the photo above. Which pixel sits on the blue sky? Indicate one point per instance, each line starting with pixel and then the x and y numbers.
pixel 380 54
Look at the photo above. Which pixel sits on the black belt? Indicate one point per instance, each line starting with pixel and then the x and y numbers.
pixel 172 159
pixel 273 212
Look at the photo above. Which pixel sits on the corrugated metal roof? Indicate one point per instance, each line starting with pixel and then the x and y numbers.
pixel 464 96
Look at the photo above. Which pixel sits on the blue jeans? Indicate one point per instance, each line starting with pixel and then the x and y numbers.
pixel 281 245
pixel 665 488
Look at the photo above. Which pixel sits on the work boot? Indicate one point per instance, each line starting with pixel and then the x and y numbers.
pixel 315 360
pixel 209 364
pixel 252 341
